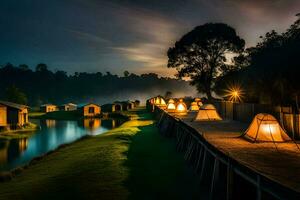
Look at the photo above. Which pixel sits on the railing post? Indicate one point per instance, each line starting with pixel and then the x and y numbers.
pixel 258 189
pixel 229 185
pixel 215 178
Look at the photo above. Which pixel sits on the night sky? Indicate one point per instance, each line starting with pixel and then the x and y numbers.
pixel 118 35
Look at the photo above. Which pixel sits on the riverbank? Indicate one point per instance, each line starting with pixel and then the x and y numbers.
pixel 73 115
pixel 24 132
pixel 130 161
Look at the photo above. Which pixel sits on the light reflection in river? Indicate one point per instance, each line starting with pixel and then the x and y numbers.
pixel 17 152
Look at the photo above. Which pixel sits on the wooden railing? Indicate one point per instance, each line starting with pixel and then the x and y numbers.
pixel 226 178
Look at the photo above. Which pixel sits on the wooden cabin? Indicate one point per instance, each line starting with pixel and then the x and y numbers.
pixel 90 110
pixel 115 107
pixel 48 108
pixel 127 105
pixel 68 107
pixel 12 114
pixel 3 115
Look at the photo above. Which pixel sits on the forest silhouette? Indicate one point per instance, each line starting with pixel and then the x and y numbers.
pixel 21 84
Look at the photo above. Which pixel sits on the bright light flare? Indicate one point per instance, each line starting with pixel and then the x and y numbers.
pixel 234 94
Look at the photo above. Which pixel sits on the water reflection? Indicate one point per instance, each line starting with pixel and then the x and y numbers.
pixel 53 133
pixel 90 123
pixel 12 148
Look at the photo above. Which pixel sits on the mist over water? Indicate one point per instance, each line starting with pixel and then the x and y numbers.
pixel 122 95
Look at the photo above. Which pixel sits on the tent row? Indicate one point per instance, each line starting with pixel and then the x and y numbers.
pixel 263 128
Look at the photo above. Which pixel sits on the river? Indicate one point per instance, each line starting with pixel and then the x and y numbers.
pixel 52 134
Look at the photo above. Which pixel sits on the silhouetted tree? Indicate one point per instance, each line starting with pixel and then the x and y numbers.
pixel 126 73
pixel 13 94
pixel 41 67
pixel 273 67
pixel 201 54
pixel 168 94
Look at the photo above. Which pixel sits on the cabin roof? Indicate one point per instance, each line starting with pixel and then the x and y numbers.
pixel 13 105
pixel 86 104
pixel 49 104
pixel 69 104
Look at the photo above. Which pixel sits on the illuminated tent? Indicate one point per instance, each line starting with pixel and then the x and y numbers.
pixel 208 112
pixel 152 100
pixel 181 107
pixel 159 101
pixel 198 101
pixel 194 106
pixel 265 128
pixel 171 107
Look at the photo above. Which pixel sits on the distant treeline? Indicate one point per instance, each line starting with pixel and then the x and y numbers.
pixel 24 85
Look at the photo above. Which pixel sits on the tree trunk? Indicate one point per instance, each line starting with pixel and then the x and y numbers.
pixel 208 92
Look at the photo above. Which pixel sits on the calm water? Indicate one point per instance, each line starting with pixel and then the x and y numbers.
pixel 53 133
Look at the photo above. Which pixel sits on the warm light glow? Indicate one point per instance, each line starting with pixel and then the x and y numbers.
pixel 159 101
pixel 197 99
pixel 194 106
pixel 265 128
pixel 234 94
pixel 171 106
pixel 181 107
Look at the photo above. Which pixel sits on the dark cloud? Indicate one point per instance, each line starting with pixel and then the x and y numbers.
pixel 115 35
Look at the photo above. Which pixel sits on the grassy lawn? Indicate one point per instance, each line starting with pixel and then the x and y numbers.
pixel 59 115
pixel 132 161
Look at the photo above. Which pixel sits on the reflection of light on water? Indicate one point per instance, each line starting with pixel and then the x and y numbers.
pixel 23 143
pixel 92 124
pixel 49 137
pixel 3 151
pixel 50 123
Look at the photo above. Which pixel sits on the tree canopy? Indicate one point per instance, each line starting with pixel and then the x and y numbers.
pixel 272 72
pixel 202 54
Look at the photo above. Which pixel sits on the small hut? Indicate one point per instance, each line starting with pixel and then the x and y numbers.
pixel 208 112
pixel 90 110
pixel 111 107
pixel 265 128
pixel 126 105
pixel 48 108
pixel 3 115
pixel 12 114
pixel 68 107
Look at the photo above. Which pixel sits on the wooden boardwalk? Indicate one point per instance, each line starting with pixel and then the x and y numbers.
pixel 268 166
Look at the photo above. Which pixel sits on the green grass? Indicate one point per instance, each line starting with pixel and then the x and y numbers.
pixel 59 115
pixel 35 114
pixel 132 161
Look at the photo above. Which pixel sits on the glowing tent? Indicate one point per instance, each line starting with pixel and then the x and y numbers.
pixel 198 101
pixel 171 107
pixel 181 107
pixel 208 112
pixel 160 102
pixel 265 128
pixel 194 106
